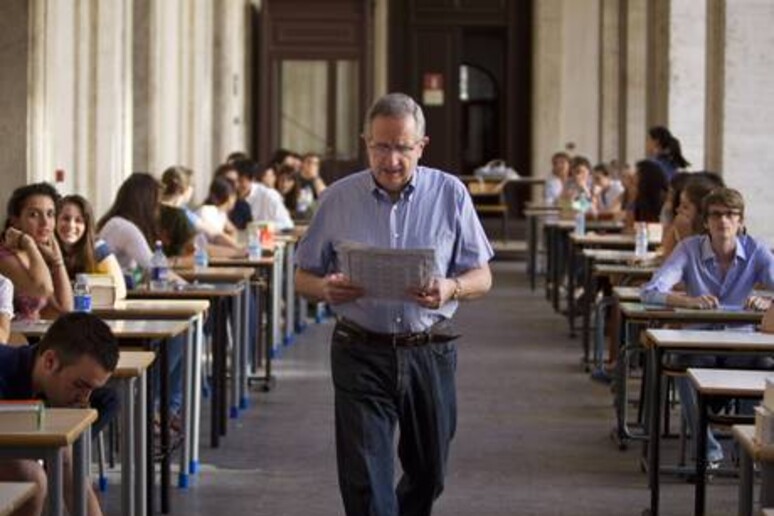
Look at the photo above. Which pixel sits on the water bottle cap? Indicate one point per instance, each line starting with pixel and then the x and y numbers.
pixel 81 278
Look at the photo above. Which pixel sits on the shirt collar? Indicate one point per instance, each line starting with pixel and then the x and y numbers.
pixel 708 254
pixel 379 192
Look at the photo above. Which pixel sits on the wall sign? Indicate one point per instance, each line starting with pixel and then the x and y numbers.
pixel 432 89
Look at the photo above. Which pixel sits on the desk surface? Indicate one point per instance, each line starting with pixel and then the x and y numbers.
pixel 745 434
pixel 607 240
pixel 619 255
pixel 61 427
pixel 592 225
pixel 190 291
pixel 129 329
pixel 627 293
pixel 519 179
pixel 216 274
pixel 153 309
pixel 609 269
pixel 132 364
pixel 710 339
pixel 266 261
pixel 13 495
pixel 729 382
pixel 641 312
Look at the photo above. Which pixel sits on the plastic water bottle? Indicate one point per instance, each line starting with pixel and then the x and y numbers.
pixel 641 240
pixel 201 258
pixel 159 270
pixel 81 294
pixel 305 200
pixel 580 223
pixel 253 247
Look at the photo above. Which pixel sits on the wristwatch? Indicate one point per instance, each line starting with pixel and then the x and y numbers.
pixel 457 289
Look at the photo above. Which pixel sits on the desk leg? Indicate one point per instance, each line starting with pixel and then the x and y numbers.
pixel 80 471
pixel 54 474
pixel 290 302
pixel 196 410
pixel 245 343
pixel 166 462
pixel 150 464
pixel 549 260
pixel 219 394
pixel 141 450
pixel 532 256
pixel 185 417
pixel 701 456
pixel 745 483
pixel 588 304
pixel 236 351
pixel 767 484
pixel 127 446
pixel 654 413
pixel 571 286
pixel 557 267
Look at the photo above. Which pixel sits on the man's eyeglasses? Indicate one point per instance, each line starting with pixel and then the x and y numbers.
pixel 719 214
pixel 385 149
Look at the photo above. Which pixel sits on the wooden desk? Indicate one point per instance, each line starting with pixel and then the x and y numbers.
pixel 724 384
pixel 751 451
pixel 659 343
pixel 193 311
pixel 13 495
pixel 131 377
pixel 62 427
pixel 217 294
pixel 141 332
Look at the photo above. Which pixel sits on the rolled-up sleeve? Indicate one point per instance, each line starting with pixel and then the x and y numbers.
pixel 6 296
pixel 671 273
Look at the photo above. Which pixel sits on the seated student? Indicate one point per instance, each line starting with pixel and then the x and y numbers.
pixel 719 268
pixel 240 215
pixel 77 355
pixel 6 308
pixel 214 213
pixel 265 203
pixel 287 186
pixel 560 172
pixel 81 251
pixel 579 183
pixel 30 256
pixel 177 223
pixel 130 228
pixel 607 191
pixel 688 220
pixel 651 189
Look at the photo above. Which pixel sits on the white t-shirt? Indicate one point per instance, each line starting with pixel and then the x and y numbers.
pixel 127 242
pixel 553 190
pixel 6 296
pixel 609 196
pixel 267 204
pixel 212 218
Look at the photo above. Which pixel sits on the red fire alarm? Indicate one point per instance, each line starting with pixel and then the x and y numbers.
pixel 59 175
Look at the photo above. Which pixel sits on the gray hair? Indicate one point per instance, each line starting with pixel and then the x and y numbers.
pixel 396 105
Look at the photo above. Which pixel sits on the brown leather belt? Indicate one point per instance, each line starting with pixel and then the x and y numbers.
pixel 396 340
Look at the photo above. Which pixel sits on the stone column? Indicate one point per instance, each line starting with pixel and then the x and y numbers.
pixel 610 130
pixel 15 50
pixel 747 124
pixel 635 14
pixel 676 65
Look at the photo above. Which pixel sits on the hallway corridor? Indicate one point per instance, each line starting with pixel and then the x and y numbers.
pixel 532 435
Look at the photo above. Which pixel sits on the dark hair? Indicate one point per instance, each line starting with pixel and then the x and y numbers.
pixel 75 334
pixel 80 256
pixel 288 173
pixel 602 168
pixel 580 161
pixel 245 168
pixel 220 191
pixel 670 146
pixel 260 171
pixel 560 155
pixel 727 197
pixel 236 156
pixel 176 180
pixel 696 189
pixel 651 191
pixel 396 105
pixel 137 200
pixel 280 155
pixel 20 195
pixel 224 169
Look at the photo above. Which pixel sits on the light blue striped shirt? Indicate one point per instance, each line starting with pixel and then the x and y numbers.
pixel 694 263
pixel 433 211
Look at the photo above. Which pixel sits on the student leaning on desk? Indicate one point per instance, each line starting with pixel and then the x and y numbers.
pixel 719 268
pixel 77 355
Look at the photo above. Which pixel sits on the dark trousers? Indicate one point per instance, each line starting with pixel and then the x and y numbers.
pixel 377 388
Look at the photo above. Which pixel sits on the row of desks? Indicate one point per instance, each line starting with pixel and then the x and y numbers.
pixel 152 315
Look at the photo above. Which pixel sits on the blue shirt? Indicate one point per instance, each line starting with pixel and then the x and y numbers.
pixel 694 263
pixel 16 372
pixel 433 211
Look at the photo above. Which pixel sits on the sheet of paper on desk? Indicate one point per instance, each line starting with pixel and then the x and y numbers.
pixel 386 273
